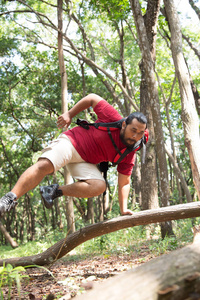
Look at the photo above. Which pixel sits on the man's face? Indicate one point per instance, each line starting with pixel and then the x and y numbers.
pixel 132 132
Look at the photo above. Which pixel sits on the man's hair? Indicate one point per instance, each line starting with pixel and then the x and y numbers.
pixel 136 115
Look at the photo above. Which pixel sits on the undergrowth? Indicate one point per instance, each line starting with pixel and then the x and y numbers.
pixel 127 241
pixel 123 241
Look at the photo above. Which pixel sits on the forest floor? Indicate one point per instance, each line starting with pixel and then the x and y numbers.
pixel 72 275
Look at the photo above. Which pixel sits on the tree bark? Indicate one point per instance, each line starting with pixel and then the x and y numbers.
pixel 196 50
pixel 155 108
pixel 149 192
pixel 180 176
pixel 100 207
pixel 148 170
pixel 167 104
pixel 195 7
pixel 64 246
pixel 175 276
pixel 90 210
pixel 136 185
pixel 189 114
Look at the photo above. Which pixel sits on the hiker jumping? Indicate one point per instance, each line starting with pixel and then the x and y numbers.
pixel 82 148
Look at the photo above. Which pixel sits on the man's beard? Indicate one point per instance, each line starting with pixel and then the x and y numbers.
pixel 125 141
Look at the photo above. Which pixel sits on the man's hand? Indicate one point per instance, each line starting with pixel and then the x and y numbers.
pixel 90 100
pixel 128 212
pixel 64 120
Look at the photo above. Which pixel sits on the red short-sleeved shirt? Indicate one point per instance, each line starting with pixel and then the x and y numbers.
pixel 94 145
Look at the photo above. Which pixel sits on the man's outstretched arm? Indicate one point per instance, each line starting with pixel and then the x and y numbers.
pixel 123 193
pixel 90 100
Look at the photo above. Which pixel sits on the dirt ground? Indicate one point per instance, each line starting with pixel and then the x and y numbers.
pixel 67 277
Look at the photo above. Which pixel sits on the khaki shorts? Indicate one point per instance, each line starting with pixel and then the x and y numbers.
pixel 62 153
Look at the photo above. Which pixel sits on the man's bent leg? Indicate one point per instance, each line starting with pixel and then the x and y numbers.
pixel 32 177
pixel 90 183
pixel 27 181
pixel 84 188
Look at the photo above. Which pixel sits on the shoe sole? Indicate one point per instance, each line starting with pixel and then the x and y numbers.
pixel 46 203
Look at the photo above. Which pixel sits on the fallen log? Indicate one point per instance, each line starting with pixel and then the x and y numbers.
pixel 174 276
pixel 64 246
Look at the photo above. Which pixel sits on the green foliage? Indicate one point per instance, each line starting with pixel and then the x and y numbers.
pixel 134 240
pixel 10 276
pixel 162 246
pixel 183 236
pixel 30 92
pixel 43 241
pixel 112 9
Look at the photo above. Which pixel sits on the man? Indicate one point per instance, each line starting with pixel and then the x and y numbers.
pixel 81 150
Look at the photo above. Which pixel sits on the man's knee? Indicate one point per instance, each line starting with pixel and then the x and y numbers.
pixel 45 165
pixel 102 186
pixel 98 186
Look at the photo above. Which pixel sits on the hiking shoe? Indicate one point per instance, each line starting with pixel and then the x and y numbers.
pixel 49 193
pixel 7 202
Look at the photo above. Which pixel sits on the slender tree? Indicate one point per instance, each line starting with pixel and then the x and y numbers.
pixel 189 114
pixel 155 108
pixel 148 170
pixel 195 7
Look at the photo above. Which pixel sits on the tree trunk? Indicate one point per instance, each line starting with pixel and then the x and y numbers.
pixel 136 184
pixel 195 7
pixel 64 96
pixel 148 170
pixel 64 246
pixel 189 114
pixel 90 210
pixel 69 205
pixel 100 208
pixel 7 236
pixel 175 276
pixel 196 95
pixel 155 108
pixel 180 176
pixel 167 104
pixel 106 201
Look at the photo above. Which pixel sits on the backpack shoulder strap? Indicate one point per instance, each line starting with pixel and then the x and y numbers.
pixel 113 126
pixel 103 126
pixel 138 145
